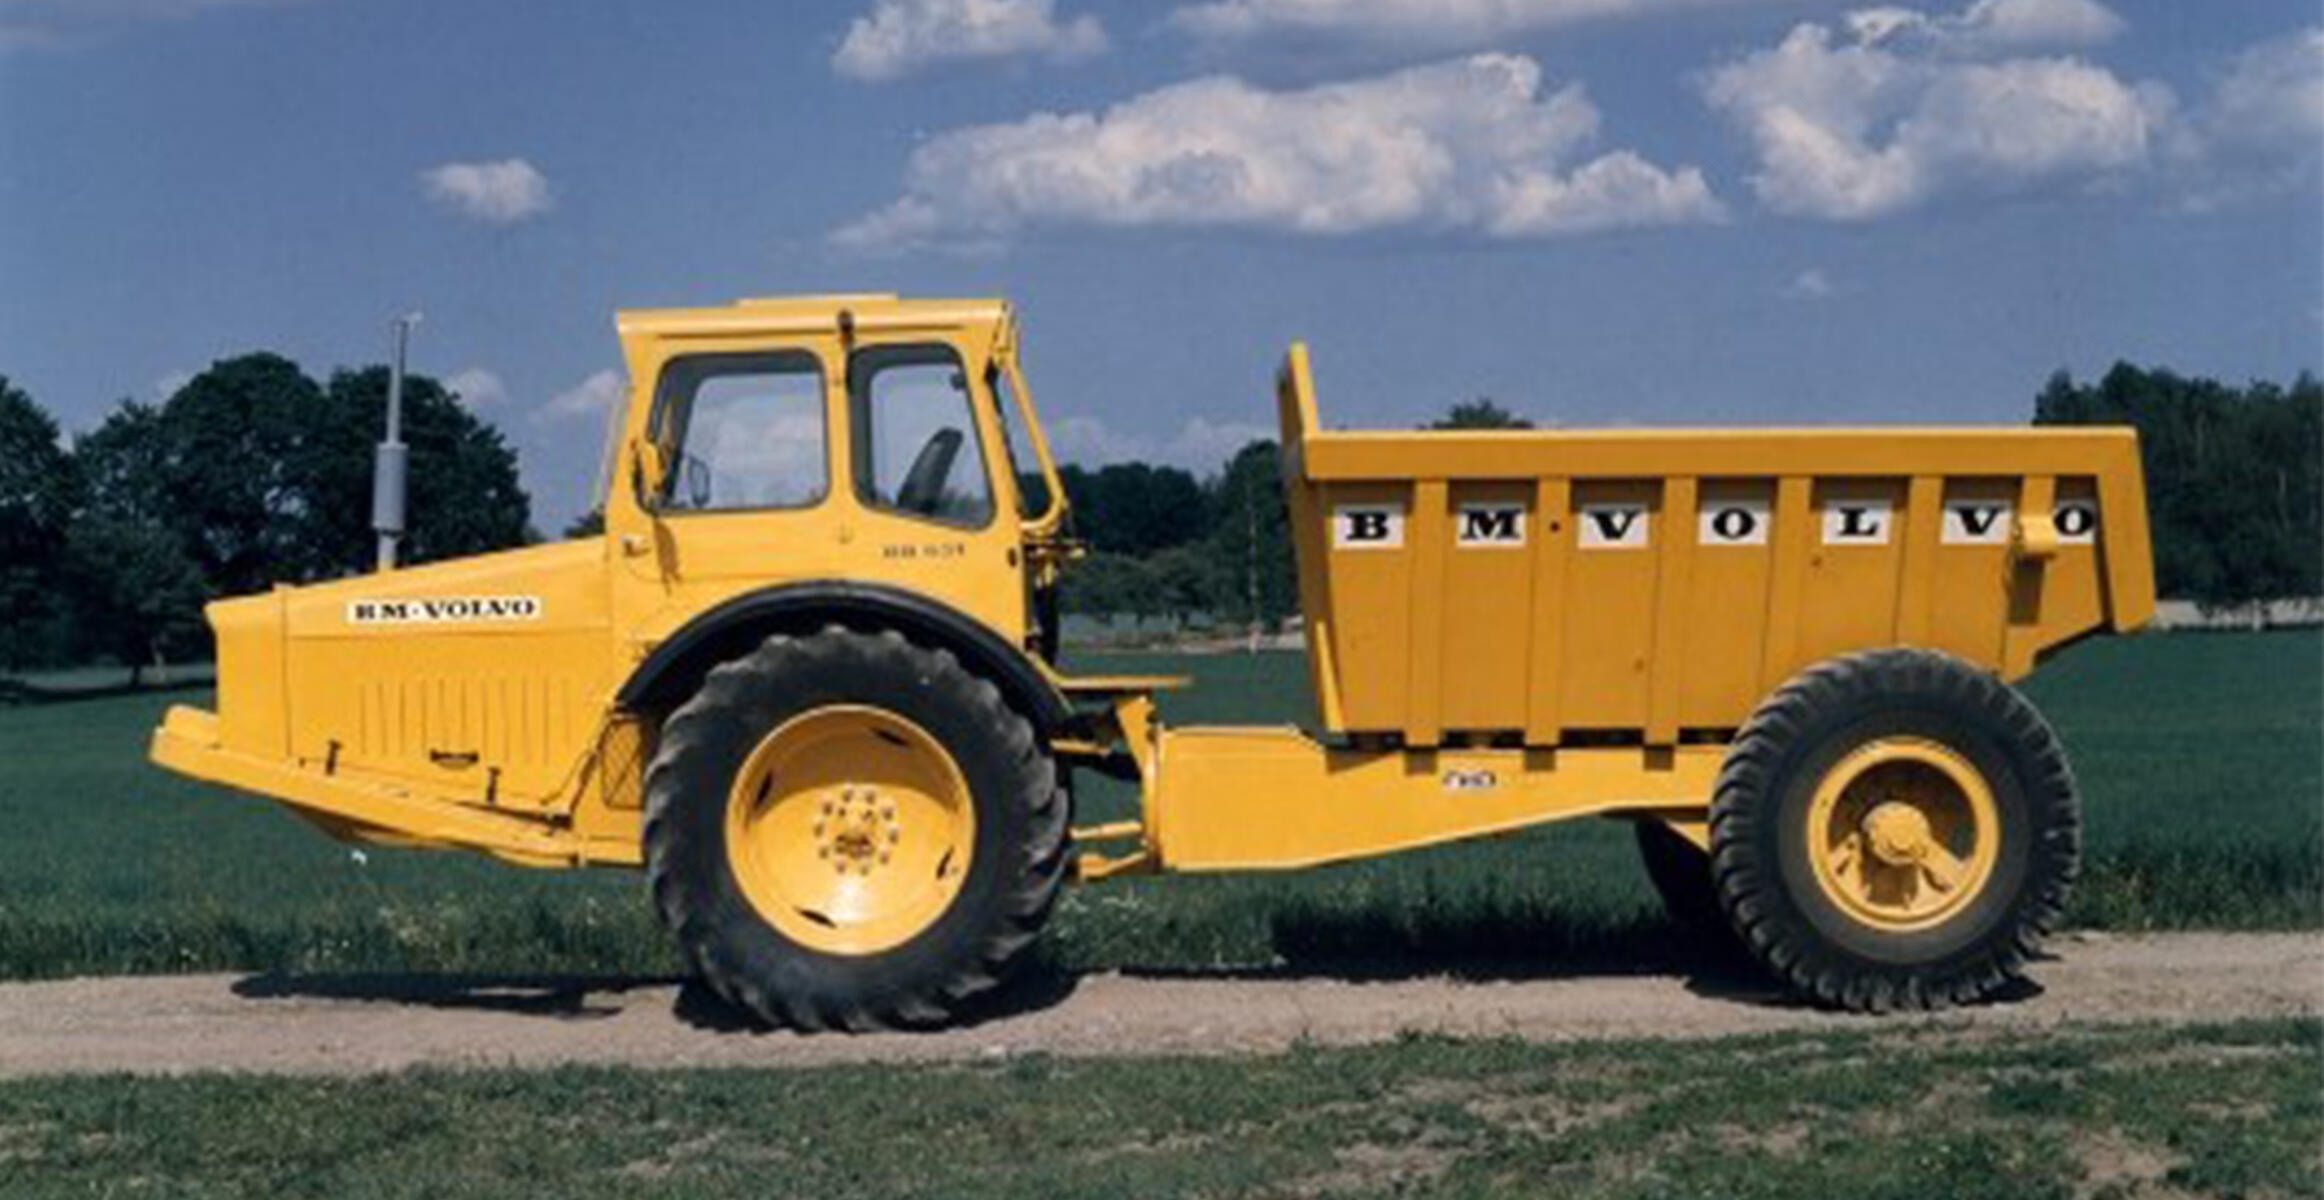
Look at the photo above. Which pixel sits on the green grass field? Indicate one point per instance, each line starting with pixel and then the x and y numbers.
pixel 2222 1110
pixel 2201 758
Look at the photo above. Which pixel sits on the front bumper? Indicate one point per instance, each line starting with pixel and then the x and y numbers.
pixel 188 742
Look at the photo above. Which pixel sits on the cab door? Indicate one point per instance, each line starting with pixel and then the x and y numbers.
pixel 743 437
pixel 934 516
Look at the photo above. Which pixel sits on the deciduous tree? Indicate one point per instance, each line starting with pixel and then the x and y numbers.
pixel 1250 544
pixel 136 590
pixel 1480 413
pixel 1135 508
pixel 465 497
pixel 225 462
pixel 2235 477
pixel 37 492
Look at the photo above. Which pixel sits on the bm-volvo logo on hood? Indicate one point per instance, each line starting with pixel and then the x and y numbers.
pixel 443 610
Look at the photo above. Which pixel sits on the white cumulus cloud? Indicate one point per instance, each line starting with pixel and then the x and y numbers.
pixel 497 193
pixel 1852 127
pixel 1473 144
pixel 477 387
pixel 899 36
pixel 1429 22
pixel 1992 26
pixel 2274 92
pixel 592 397
pixel 2259 131
pixel 1810 284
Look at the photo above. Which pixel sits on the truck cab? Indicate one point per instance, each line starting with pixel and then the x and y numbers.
pixel 858 438
pixel 777 465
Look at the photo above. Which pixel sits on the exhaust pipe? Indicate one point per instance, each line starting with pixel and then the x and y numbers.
pixel 390 470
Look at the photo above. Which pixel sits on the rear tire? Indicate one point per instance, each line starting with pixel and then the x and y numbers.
pixel 1895 829
pixel 848 830
pixel 1681 873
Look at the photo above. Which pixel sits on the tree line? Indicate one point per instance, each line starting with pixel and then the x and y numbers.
pixel 253 473
pixel 2234 477
pixel 1164 544
pixel 250 474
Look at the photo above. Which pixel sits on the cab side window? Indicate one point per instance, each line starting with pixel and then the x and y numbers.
pixel 741 432
pixel 916 446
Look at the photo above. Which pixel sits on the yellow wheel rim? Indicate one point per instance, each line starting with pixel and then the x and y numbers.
pixel 849 829
pixel 1903 833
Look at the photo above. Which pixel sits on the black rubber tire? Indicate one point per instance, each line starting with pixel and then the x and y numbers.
pixel 1015 871
pixel 1681 873
pixel 1759 856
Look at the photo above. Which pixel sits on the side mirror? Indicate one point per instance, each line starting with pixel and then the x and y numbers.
pixel 653 469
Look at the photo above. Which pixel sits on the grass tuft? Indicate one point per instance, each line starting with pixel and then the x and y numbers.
pixel 2074 1111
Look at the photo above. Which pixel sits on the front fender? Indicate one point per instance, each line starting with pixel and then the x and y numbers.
pixel 677 666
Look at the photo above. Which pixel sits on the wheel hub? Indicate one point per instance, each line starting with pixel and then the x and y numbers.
pixel 857 830
pixel 850 829
pixel 1903 833
pixel 1898 833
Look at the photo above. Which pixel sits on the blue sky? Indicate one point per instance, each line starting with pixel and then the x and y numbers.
pixel 1596 211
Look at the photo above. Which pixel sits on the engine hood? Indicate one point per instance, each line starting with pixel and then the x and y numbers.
pixel 306 672
pixel 556 587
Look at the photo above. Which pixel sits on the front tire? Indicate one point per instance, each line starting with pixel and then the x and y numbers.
pixel 1895 829
pixel 848 830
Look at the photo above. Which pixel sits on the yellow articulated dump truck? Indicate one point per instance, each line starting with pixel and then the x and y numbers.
pixel 807 678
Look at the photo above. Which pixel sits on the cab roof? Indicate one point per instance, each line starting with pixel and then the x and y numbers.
pixel 870 311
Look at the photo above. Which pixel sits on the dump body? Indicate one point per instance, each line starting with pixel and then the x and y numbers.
pixel 1549 588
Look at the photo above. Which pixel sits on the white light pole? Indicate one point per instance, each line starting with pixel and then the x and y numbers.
pixel 389 469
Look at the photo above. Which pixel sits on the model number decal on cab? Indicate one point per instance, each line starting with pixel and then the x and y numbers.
pixel 444 610
pixel 928 550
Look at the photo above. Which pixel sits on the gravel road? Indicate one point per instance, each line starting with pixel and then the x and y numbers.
pixel 346 1024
